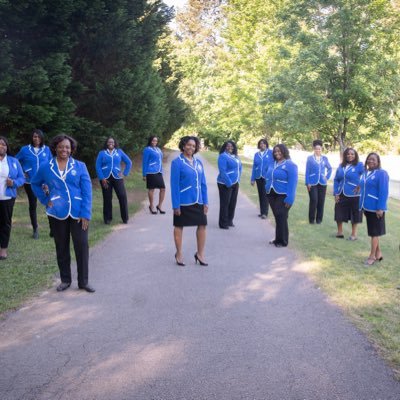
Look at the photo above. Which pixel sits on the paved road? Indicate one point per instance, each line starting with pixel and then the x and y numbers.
pixel 249 326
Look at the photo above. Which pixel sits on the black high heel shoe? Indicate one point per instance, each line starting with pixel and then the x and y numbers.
pixel 160 211
pixel 379 259
pixel 197 259
pixel 181 264
pixel 153 212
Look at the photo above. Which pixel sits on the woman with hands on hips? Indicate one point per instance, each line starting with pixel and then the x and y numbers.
pixel 109 172
pixel 189 197
pixel 374 192
pixel 68 201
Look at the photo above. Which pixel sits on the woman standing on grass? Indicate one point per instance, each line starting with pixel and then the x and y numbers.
pixel 262 159
pixel 109 172
pixel 153 173
pixel 374 185
pixel 31 158
pixel 318 171
pixel 68 202
pixel 346 192
pixel 189 197
pixel 230 171
pixel 281 184
pixel 11 177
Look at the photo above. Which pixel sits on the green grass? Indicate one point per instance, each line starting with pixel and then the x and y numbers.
pixel 31 264
pixel 367 295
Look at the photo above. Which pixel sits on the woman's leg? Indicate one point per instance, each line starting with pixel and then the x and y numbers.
pixel 6 212
pixel 161 198
pixel 107 202
pixel 312 207
pixel 224 199
pixel 320 203
pixel 201 241
pixel 232 203
pixel 150 193
pixel 120 191
pixel 339 228
pixel 32 208
pixel 80 239
pixel 354 230
pixel 374 247
pixel 262 196
pixel 178 235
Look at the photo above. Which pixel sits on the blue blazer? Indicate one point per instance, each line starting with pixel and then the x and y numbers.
pixel 70 194
pixel 347 179
pixel 110 163
pixel 283 179
pixel 230 169
pixel 31 161
pixel 152 160
pixel 318 172
pixel 188 182
pixel 16 174
pixel 374 190
pixel 261 164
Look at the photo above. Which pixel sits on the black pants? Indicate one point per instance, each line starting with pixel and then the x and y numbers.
pixel 119 187
pixel 262 196
pixel 6 212
pixel 281 214
pixel 32 205
pixel 62 231
pixel 227 204
pixel 317 201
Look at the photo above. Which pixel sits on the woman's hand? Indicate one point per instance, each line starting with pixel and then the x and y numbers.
pixel 287 205
pixel 85 223
pixel 10 182
pixel 308 187
pixel 252 183
pixel 205 209
pixel 50 204
pixel 104 183
pixel 337 198
pixel 379 213
pixel 356 190
pixel 177 211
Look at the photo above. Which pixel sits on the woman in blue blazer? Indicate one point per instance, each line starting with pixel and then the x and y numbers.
pixel 31 158
pixel 318 171
pixel 109 172
pixel 374 192
pixel 280 185
pixel 346 191
pixel 261 161
pixel 11 177
pixel 63 185
pixel 189 197
pixel 152 172
pixel 230 171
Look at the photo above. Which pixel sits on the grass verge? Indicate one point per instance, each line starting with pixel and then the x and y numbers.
pixel 368 295
pixel 31 264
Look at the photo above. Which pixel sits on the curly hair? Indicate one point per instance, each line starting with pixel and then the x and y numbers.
pixel 345 153
pixel 116 145
pixel 40 133
pixel 262 141
pixel 223 147
pixel 58 139
pixel 185 139
pixel 150 139
pixel 6 143
pixel 317 142
pixel 284 150
pixel 378 158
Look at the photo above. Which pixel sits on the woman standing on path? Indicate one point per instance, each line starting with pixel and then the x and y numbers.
pixel 262 159
pixel 230 171
pixel 68 202
pixel 318 171
pixel 189 197
pixel 31 158
pixel 346 191
pixel 374 185
pixel 108 169
pixel 11 177
pixel 281 184
pixel 153 173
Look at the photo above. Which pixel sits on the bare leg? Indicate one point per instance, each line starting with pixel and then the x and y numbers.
pixel 339 228
pixel 3 252
pixel 201 241
pixel 178 234
pixel 374 247
pixel 161 198
pixel 151 198
pixel 354 230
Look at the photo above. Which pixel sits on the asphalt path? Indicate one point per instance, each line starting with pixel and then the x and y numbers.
pixel 251 325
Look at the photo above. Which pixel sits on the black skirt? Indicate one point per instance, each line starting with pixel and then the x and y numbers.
pixel 347 210
pixel 155 181
pixel 191 216
pixel 375 226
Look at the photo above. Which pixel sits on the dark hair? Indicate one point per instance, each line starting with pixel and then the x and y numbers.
pixel 116 145
pixel 346 151
pixel 185 139
pixel 317 143
pixel 223 147
pixel 284 150
pixel 262 141
pixel 151 139
pixel 6 142
pixel 58 139
pixel 377 156
pixel 41 136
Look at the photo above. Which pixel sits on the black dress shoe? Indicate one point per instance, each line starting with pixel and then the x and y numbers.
pixel 35 234
pixel 63 286
pixel 88 288
pixel 231 225
pixel 223 227
pixel 107 221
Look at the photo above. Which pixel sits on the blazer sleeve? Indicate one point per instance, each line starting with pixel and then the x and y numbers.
pixel 240 169
pixel 145 161
pixel 308 166
pixel 20 155
pixel 292 184
pixel 174 181
pixel 127 161
pixel 383 190
pixel 328 169
pixel 36 184
pixel 99 171
pixel 360 168
pixel 86 190
pixel 253 171
pixel 204 193
pixel 336 182
pixel 222 166
pixel 20 179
